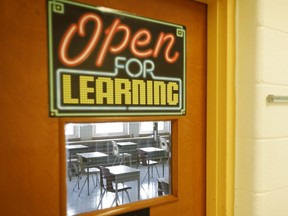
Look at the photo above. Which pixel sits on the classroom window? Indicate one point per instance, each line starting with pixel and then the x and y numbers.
pixel 110 129
pixel 72 131
pixel 148 127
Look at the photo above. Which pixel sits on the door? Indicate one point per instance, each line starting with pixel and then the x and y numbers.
pixel 33 151
pixel 189 131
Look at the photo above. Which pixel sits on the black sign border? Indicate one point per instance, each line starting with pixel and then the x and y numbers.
pixel 58 5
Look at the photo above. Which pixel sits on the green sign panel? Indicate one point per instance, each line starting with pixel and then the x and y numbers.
pixel 104 62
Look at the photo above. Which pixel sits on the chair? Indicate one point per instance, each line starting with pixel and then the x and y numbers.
pixel 72 167
pixel 144 161
pixel 120 155
pixel 163 187
pixel 164 145
pixel 106 183
pixel 83 170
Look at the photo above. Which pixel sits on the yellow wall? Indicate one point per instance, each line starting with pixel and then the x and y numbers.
pixel 220 107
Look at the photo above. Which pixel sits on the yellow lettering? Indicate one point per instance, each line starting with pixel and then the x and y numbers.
pixel 84 89
pixel 124 91
pixel 109 94
pixel 67 91
pixel 159 93
pixel 119 91
pixel 138 90
pixel 172 99
pixel 149 92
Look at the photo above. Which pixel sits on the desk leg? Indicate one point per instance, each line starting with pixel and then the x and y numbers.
pixel 148 173
pixel 101 198
pixel 159 188
pixel 116 194
pixel 69 166
pixel 88 177
pixel 139 187
pixel 163 167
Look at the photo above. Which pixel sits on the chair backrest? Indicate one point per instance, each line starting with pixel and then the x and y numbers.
pixel 164 144
pixel 164 187
pixel 142 157
pixel 115 150
pixel 81 168
pixel 107 177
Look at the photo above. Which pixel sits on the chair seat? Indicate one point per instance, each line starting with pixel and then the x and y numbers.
pixel 74 160
pixel 92 170
pixel 120 188
pixel 125 155
pixel 150 162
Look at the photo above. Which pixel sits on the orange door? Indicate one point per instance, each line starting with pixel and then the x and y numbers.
pixel 32 145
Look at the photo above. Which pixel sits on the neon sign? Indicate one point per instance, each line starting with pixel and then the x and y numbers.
pixel 104 62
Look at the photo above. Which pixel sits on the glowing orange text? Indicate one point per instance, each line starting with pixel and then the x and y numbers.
pixel 138 42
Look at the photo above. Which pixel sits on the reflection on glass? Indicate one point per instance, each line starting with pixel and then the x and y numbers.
pixel 115 163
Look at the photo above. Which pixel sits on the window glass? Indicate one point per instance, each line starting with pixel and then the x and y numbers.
pixel 71 131
pixel 110 129
pixel 161 126
pixel 116 147
pixel 146 127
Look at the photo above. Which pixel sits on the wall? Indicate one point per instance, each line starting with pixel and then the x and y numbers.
pixel 261 135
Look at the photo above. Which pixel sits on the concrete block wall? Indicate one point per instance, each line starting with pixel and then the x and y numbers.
pixel 261 187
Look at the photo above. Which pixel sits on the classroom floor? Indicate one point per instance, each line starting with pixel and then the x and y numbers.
pixel 85 203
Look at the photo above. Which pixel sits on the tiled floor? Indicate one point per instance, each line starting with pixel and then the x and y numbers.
pixel 78 204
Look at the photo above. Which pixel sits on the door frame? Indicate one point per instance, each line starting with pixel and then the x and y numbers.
pixel 220 142
pixel 220 107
